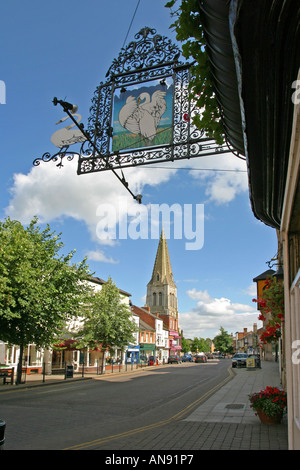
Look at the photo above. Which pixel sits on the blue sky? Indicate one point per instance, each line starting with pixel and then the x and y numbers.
pixel 64 49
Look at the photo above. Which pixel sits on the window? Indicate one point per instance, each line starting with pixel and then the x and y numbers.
pixel 154 298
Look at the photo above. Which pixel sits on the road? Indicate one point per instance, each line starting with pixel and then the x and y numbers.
pixel 82 415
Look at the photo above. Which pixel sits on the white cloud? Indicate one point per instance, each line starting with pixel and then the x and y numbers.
pixel 100 256
pixel 52 193
pixel 209 314
pixel 221 186
pixel 199 295
pixel 251 290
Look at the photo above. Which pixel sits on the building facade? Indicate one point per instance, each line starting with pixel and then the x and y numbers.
pixel 162 294
pixel 65 351
pixel 255 69
pixel 161 333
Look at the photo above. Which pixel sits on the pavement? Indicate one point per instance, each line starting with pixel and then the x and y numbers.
pixel 220 420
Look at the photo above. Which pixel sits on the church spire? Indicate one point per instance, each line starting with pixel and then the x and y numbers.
pixel 162 270
pixel 161 289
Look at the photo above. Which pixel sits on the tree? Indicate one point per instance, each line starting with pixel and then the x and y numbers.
pixel 200 345
pixel 185 345
pixel 107 320
pixel 39 290
pixel 223 342
pixel 189 31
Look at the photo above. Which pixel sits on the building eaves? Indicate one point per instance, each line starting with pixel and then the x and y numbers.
pixel 264 275
pixel 98 280
pixel 260 68
pixel 144 326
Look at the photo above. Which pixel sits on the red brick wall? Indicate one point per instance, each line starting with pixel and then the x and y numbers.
pixel 145 316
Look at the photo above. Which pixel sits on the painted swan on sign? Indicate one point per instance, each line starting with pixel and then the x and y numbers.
pixel 142 116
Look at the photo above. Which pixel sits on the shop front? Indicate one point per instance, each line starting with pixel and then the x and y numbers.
pixel 147 350
pixel 132 355
pixel 175 343
pixel 67 352
pixel 32 357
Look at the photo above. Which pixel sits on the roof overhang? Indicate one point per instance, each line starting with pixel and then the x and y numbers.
pixel 260 67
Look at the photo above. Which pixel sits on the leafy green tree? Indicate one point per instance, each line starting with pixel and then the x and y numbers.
pixel 185 345
pixel 200 345
pixel 189 31
pixel 39 290
pixel 223 342
pixel 107 320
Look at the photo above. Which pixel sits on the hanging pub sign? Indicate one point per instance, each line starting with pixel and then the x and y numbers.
pixel 142 114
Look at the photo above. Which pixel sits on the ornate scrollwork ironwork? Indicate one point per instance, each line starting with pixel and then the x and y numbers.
pixel 149 50
pixel 57 157
pixel 149 58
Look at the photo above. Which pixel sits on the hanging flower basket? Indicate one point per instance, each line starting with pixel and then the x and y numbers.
pixel 270 335
pixel 269 404
pixel 271 306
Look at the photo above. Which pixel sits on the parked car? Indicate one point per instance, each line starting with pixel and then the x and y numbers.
pixel 219 356
pixel 174 358
pixel 2 433
pixel 200 358
pixel 239 360
pixel 187 358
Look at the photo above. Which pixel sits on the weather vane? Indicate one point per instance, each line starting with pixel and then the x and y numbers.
pixel 142 114
pixel 68 135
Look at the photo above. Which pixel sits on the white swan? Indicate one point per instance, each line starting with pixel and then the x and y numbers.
pixel 68 135
pixel 142 116
pixel 129 115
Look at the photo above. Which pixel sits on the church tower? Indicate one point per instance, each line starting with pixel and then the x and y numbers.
pixel 161 290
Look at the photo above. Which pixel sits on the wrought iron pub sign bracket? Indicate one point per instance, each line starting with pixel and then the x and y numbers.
pixel 142 114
